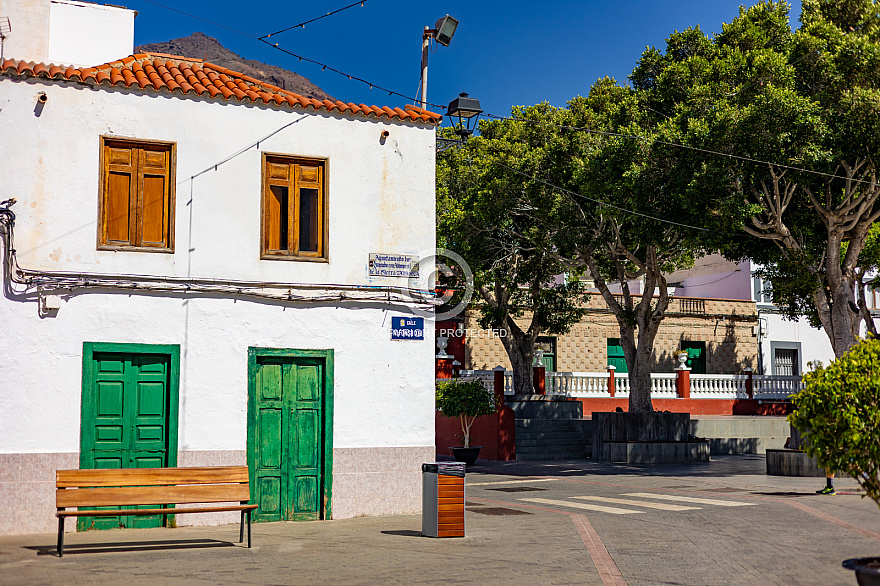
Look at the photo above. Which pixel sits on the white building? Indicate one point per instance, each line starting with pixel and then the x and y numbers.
pixel 190 282
pixel 786 346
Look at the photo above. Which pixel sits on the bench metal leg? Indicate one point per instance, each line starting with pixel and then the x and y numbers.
pixel 60 536
pixel 249 528
pixel 241 531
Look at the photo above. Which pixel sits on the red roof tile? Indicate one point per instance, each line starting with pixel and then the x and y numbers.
pixel 190 77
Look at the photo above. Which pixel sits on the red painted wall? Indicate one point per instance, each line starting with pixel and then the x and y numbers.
pixel 693 406
pixel 496 433
pixel 456 344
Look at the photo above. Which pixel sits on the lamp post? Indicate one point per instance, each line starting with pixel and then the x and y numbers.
pixel 442 33
pixel 466 110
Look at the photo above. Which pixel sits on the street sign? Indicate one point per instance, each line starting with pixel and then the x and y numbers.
pixel 393 265
pixel 407 328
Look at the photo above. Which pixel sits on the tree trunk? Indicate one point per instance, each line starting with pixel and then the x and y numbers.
pixel 640 372
pixel 520 348
pixel 642 316
pixel 835 300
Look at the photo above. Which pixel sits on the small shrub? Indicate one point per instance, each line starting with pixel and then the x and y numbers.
pixel 467 400
pixel 839 414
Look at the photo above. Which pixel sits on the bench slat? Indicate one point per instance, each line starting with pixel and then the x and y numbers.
pixel 153 511
pixel 151 495
pixel 150 476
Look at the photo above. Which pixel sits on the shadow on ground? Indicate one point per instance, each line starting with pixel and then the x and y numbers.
pixel 130 546
pixel 719 466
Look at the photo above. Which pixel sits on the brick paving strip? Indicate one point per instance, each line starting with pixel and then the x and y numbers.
pixel 605 565
pixel 603 561
pixel 807 509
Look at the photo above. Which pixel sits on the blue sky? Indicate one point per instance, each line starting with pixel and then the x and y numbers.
pixel 504 53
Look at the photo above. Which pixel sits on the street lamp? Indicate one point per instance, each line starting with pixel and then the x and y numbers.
pixel 442 33
pixel 467 111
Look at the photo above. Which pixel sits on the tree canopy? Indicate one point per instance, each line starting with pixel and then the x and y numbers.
pixel 789 125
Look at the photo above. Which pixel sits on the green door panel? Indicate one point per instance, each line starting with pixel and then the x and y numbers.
pixel 268 471
pixel 129 416
pixel 287 431
pixel 615 356
pixel 696 352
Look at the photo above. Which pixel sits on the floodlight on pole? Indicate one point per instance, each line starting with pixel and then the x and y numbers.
pixel 442 33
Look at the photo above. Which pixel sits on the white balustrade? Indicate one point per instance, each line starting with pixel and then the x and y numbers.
pixel 776 387
pixel 718 386
pixel 663 386
pixel 703 386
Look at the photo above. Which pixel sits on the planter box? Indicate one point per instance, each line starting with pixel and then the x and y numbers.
pixel 686 452
pixel 792 463
pixel 638 427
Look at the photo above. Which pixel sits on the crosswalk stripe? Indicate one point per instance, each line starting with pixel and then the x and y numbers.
pixel 689 499
pixel 599 508
pixel 511 481
pixel 648 505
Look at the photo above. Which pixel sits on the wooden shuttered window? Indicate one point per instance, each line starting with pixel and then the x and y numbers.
pixel 293 208
pixel 137 196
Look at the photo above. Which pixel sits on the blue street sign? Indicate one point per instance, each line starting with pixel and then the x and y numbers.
pixel 407 328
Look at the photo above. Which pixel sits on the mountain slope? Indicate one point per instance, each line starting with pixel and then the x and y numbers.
pixel 201 46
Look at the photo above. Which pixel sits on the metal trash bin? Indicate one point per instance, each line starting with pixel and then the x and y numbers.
pixel 443 499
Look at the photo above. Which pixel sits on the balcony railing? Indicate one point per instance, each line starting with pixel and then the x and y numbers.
pixel 703 386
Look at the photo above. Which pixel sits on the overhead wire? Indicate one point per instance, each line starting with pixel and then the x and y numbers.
pixel 229 28
pixel 303 24
pixel 600 202
pixel 277 47
pixel 673 144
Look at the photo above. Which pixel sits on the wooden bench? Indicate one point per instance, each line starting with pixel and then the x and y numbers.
pixel 152 486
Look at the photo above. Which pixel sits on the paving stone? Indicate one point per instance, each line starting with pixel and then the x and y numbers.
pixel 791 536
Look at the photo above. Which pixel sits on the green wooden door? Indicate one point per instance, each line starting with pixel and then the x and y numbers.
pixel 615 356
pixel 126 420
pixel 696 352
pixel 548 357
pixel 286 442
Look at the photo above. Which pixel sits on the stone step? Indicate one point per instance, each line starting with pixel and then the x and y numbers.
pixel 546 409
pixel 562 456
pixel 573 445
pixel 549 431
pixel 553 438
pixel 549 434
pixel 557 450
pixel 553 423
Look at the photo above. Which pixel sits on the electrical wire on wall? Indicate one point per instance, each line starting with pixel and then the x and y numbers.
pixel 33 282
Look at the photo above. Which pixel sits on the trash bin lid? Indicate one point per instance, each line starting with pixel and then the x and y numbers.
pixel 447 468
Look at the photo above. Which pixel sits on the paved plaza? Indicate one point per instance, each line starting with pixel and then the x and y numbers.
pixel 569 522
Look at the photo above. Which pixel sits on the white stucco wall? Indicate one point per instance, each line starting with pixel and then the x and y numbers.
pixel 84 34
pixel 812 342
pixel 67 32
pixel 29 39
pixel 380 199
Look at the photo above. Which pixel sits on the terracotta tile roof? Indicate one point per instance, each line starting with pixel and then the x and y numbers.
pixel 185 77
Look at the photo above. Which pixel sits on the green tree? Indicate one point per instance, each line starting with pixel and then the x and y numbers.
pixel 838 411
pixel 808 102
pixel 627 216
pixel 581 202
pixel 482 216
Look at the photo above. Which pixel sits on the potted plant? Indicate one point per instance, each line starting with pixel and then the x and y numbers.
pixel 838 412
pixel 467 400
